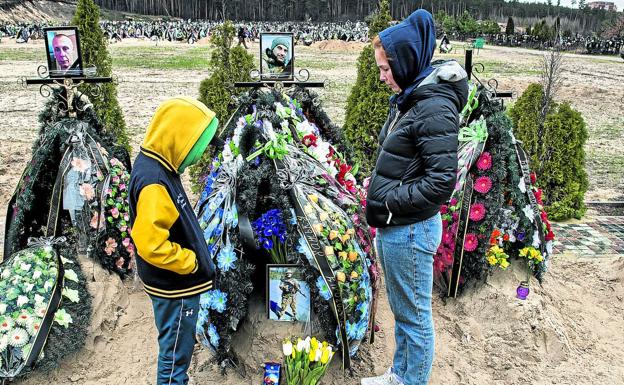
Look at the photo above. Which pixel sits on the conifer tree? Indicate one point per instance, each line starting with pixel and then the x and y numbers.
pixel 228 65
pixel 95 54
pixel 556 149
pixel 367 105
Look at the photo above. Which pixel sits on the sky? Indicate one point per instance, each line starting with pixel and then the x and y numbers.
pixel 567 3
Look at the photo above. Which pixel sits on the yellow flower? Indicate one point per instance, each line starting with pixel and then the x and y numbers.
pixel 341 277
pixel 329 251
pixel 351 231
pixel 318 228
pixel 314 343
pixel 332 235
pixel 311 355
pixel 323 216
pixel 308 209
pixel 496 249
pixel 342 255
pixel 354 275
pixel 539 258
pixel 326 355
pixel 313 198
pixel 492 260
pixel 345 238
pixel 524 252
pixel 504 264
pixel 352 256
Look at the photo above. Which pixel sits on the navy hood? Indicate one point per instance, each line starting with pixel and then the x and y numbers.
pixel 409 47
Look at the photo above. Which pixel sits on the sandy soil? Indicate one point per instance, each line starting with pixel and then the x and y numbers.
pixel 568 332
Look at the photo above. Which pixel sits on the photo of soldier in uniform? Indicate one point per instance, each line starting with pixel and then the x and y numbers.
pixel 288 296
pixel 277 56
pixel 63 51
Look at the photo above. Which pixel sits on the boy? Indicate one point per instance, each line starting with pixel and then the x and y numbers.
pixel 173 260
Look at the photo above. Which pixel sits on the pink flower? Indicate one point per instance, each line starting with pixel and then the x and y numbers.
pixel 455 216
pixel 126 242
pixel 471 242
pixel 444 209
pixel 111 245
pixel 87 191
pixel 453 202
pixel 126 217
pixel 123 228
pixel 94 221
pixel 115 180
pixel 80 165
pixel 447 238
pixel 115 212
pixel 119 263
pixel 130 249
pixel 483 184
pixel 477 212
pixel 122 186
pixel 485 161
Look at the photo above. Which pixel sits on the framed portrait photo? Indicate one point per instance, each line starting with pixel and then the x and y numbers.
pixel 288 295
pixel 63 51
pixel 277 56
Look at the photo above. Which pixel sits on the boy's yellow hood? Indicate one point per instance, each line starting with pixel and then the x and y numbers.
pixel 175 128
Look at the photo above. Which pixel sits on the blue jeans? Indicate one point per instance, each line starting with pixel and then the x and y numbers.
pixel 406 255
pixel 175 321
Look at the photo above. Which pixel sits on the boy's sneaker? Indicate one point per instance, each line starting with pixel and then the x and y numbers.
pixel 388 378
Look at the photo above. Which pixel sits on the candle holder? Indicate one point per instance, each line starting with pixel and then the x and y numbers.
pixel 523 290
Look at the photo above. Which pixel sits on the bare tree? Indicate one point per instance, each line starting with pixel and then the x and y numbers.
pixel 551 80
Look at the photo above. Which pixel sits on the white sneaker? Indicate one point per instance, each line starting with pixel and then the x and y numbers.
pixel 388 378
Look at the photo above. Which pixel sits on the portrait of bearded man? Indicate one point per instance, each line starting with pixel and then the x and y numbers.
pixel 277 58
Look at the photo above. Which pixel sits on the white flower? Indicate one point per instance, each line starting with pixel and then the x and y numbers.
pixel 18 337
pixel 71 275
pixel 227 154
pixel 34 325
pixel 22 300
pixel 319 353
pixel 306 128
pixel 37 274
pixel 25 266
pixel 300 345
pixel 6 324
pixel 284 125
pixel 71 294
pixel 3 307
pixel 23 318
pixel 48 285
pixel 536 240
pixel 287 348
pixel 62 318
pixel 321 151
pixel 4 342
pixel 549 247
pixel 41 311
pixel 522 186
pixel 528 212
pixel 307 344
pixel 39 299
pixel 6 273
pixel 28 287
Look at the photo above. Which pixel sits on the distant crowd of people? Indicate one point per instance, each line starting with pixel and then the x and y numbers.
pixel 191 31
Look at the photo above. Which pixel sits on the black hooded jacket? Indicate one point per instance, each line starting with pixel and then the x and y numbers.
pixel 417 161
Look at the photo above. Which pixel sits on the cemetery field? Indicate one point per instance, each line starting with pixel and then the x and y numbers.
pixel 568 332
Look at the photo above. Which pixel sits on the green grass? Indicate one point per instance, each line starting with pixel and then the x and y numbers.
pixel 161 57
pixel 611 130
pixel 22 54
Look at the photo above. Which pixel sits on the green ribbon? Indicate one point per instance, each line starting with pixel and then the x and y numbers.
pixel 475 132
pixel 471 105
pixel 273 149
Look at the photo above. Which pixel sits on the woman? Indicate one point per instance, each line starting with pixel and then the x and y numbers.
pixel 413 177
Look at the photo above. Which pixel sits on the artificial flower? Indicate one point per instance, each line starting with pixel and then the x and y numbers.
pixel 287 348
pixel 213 335
pixel 226 258
pixel 63 318
pixel 22 300
pixel 340 276
pixel 3 308
pixel 23 318
pixel 80 165
pixel 6 324
pixel 483 184
pixel 528 212
pixel 4 342
pixel 477 212
pixel 71 275
pixel 111 245
pixel 471 242
pixel 485 161
pixel 87 191
pixel 33 327
pixel 71 294
pixel 18 337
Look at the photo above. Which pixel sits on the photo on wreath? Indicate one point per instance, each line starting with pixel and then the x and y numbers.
pixel 288 295
pixel 277 56
pixel 63 51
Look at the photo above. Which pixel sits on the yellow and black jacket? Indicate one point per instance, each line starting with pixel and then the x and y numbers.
pixel 173 259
